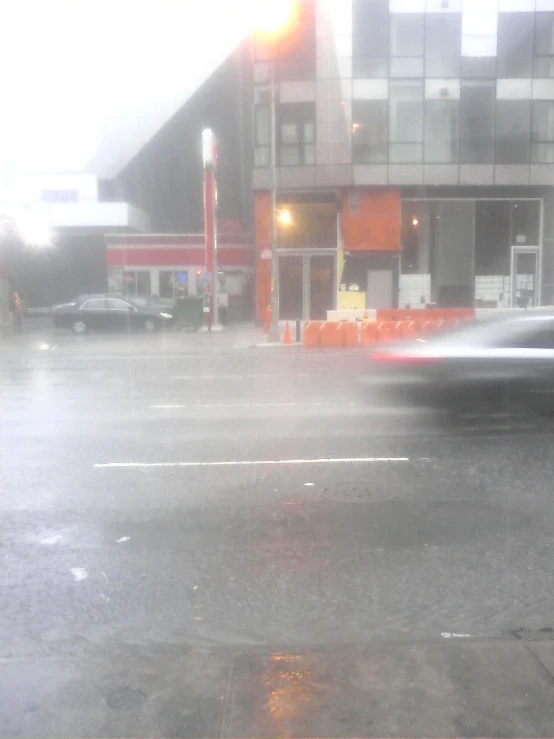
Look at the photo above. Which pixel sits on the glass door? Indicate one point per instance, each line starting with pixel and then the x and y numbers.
pixel 525 277
pixel 307 286
pixel 322 286
pixel 291 287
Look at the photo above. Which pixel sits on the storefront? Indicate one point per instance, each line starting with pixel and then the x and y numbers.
pixel 385 248
pixel 170 266
pixel 306 254
pixel 482 252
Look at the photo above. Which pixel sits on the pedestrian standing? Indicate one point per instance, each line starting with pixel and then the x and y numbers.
pixel 17 313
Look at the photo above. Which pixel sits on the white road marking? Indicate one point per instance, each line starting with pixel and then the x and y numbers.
pixel 139 357
pixel 448 635
pixel 308 484
pixel 317 404
pixel 79 573
pixel 236 377
pixel 122 539
pixel 252 462
pixel 51 540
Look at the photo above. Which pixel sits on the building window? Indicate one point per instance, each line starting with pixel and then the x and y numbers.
pixel 492 253
pixel 544 45
pixel 477 101
pixel 307 225
pixel 515 44
pixel 513 123
pixel 173 284
pixel 369 131
pixel 370 38
pixel 441 131
pixel 405 121
pixel 526 219
pixel 296 134
pixel 406 34
pixel 136 283
pixel 443 44
pixel 262 134
pixel 478 67
pixel 406 45
pixel 542 149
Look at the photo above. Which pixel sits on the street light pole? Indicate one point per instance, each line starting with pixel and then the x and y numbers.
pixel 274 326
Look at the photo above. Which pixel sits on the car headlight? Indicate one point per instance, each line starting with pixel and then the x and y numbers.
pixel 166 315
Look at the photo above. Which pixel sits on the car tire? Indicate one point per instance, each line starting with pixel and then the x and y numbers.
pixel 151 325
pixel 79 327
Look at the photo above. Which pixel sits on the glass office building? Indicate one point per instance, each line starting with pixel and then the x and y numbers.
pixel 415 155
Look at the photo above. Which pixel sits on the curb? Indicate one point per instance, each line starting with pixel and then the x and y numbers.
pixel 274 344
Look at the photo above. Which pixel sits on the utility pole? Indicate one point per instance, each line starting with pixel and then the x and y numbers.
pixel 274 325
pixel 209 157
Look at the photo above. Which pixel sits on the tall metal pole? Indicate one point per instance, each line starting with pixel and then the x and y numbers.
pixel 274 326
pixel 209 156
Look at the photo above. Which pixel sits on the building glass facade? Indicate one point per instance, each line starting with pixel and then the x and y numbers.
pixel 449 104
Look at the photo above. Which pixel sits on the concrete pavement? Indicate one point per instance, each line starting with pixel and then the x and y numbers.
pixel 235 542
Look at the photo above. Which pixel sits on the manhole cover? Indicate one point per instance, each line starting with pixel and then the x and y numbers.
pixel 356 492
pixel 124 699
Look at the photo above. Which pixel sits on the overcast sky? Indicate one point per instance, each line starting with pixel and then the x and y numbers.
pixel 85 83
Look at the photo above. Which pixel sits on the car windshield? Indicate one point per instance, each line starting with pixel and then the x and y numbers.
pixel 489 333
pixel 277 368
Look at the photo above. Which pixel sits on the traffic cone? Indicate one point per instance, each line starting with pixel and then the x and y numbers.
pixel 286 337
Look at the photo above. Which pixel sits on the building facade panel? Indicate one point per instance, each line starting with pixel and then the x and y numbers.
pixel 425 96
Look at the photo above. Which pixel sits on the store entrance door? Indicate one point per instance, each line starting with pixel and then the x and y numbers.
pixel 322 286
pixel 525 277
pixel 307 286
pixel 291 287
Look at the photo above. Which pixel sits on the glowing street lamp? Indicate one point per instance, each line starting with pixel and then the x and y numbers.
pixel 272 16
pixel 285 217
pixel 271 19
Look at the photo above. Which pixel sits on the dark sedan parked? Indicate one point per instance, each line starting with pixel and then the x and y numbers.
pixel 104 313
pixel 508 362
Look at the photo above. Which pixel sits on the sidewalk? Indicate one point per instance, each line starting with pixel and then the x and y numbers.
pixel 38 331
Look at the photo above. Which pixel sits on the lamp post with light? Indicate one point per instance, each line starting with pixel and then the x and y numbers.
pixel 209 157
pixel 273 17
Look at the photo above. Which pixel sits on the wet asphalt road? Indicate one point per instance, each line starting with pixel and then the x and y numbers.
pixel 199 540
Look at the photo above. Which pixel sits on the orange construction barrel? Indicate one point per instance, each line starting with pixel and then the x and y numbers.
pixel 331 334
pixel 312 333
pixel 350 333
pixel 370 334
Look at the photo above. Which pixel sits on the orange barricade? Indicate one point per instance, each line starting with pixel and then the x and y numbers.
pixel 409 329
pixel 429 328
pixel 312 331
pixel 424 314
pixel 370 334
pixel 350 333
pixel 389 330
pixel 332 333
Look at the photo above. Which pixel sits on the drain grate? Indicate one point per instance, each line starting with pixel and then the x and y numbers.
pixel 356 492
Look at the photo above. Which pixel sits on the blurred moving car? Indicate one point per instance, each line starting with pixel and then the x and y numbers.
pixel 506 363
pixel 104 313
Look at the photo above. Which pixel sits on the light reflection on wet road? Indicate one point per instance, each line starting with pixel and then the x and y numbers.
pixel 261 600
